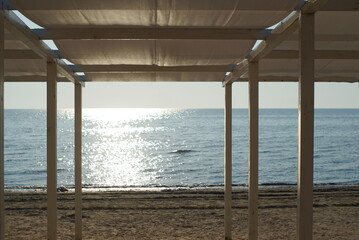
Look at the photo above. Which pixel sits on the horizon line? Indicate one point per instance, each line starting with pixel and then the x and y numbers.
pixel 69 108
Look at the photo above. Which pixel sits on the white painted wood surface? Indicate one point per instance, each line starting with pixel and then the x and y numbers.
pixel 78 161
pixel 23 33
pixel 228 163
pixel 253 152
pixel 2 172
pixel 236 73
pixel 281 32
pixel 286 27
pixel 306 127
pixel 51 150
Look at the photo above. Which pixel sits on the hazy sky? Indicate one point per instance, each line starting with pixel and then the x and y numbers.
pixel 179 95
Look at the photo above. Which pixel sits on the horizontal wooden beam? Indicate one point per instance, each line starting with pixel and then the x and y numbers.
pixel 32 78
pixel 319 54
pixel 275 54
pixel 149 68
pixel 21 54
pixel 329 37
pixel 283 54
pixel 19 29
pixel 295 79
pixel 338 78
pixel 150 33
pixel 341 5
pixel 37 78
pixel 175 33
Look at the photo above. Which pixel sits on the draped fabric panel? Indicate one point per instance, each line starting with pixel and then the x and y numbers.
pixel 335 31
pixel 156 14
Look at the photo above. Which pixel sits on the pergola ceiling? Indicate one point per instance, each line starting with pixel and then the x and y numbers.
pixel 181 40
pixel 337 58
pixel 156 13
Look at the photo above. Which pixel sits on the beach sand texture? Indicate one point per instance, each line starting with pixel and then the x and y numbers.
pixel 182 214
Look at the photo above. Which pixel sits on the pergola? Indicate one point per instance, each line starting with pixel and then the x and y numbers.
pixel 222 41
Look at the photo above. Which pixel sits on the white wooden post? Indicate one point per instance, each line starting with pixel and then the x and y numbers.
pixel 51 150
pixel 253 152
pixel 306 127
pixel 78 161
pixel 2 174
pixel 228 163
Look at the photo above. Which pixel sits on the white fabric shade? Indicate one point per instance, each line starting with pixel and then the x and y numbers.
pixel 151 52
pixel 334 31
pixel 207 14
pixel 188 13
pixel 155 77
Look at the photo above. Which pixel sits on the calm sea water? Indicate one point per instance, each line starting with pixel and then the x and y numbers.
pixel 178 147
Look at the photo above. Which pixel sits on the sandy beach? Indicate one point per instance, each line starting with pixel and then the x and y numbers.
pixel 182 214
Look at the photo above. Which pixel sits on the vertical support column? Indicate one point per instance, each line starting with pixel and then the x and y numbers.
pixel 2 172
pixel 306 127
pixel 78 161
pixel 253 152
pixel 51 150
pixel 228 163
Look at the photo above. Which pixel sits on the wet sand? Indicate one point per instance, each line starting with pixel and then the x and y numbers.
pixel 182 214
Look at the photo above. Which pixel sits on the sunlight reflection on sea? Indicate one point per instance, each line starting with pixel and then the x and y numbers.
pixel 178 147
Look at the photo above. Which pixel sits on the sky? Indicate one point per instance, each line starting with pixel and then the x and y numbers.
pixel 176 95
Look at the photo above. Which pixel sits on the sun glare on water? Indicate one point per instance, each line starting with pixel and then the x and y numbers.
pixel 120 147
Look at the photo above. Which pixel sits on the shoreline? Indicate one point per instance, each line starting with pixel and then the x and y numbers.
pixel 182 214
pixel 100 188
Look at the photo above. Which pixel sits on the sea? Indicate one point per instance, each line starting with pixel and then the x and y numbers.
pixel 177 148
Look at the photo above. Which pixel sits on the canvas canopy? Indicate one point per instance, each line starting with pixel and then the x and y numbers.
pixel 182 33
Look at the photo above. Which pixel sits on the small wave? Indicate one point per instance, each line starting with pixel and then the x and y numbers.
pixel 265 151
pixel 182 151
pixel 277 184
pixel 27 188
pixel 317 184
pixel 326 150
pixel 348 183
pixel 33 171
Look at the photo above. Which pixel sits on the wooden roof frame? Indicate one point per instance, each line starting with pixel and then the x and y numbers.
pixel 22 32
pixel 270 38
